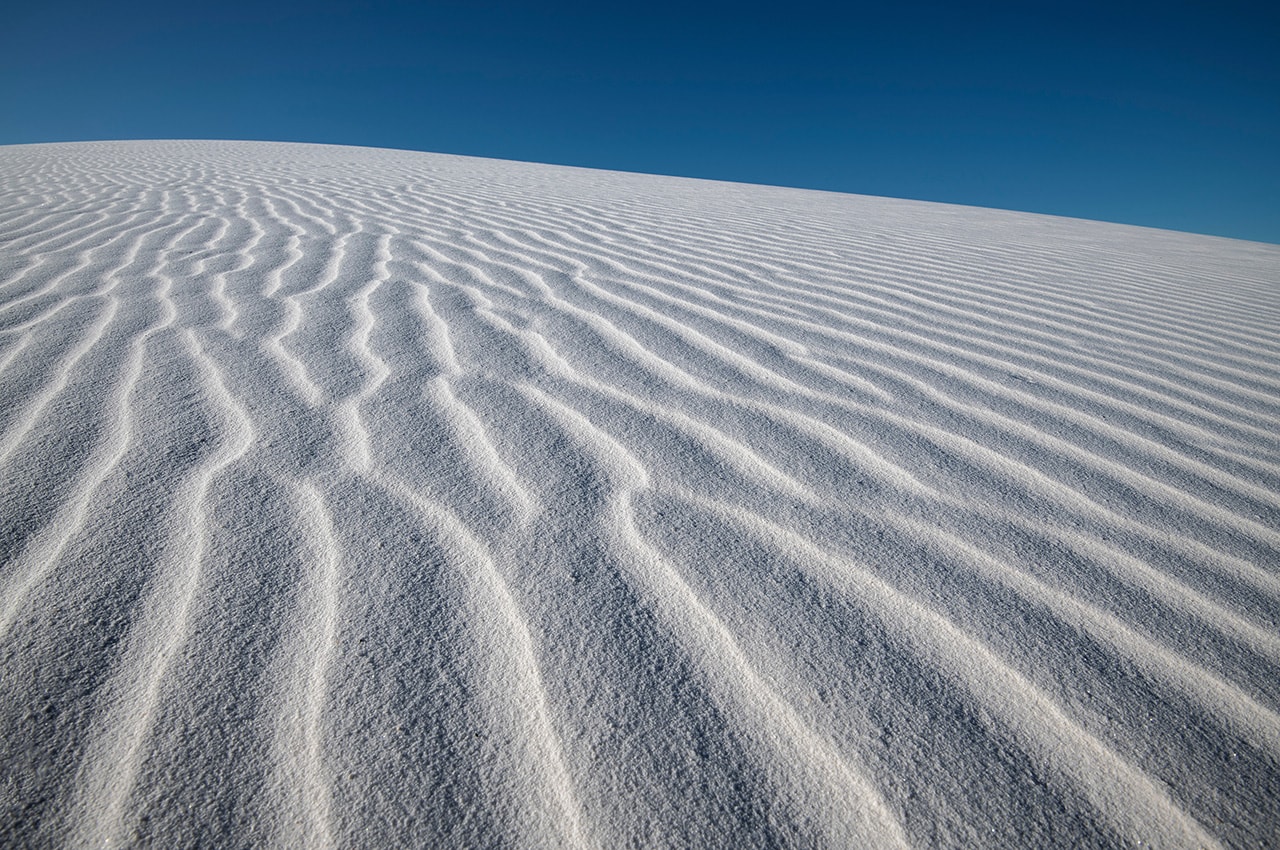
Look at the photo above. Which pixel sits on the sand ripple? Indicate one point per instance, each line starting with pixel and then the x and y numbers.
pixel 369 498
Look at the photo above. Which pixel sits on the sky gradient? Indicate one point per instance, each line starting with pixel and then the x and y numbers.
pixel 1161 115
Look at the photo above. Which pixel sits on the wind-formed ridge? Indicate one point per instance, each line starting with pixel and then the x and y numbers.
pixel 354 498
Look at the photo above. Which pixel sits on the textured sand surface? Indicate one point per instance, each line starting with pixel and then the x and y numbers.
pixel 361 498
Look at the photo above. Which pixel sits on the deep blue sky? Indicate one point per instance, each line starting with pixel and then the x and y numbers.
pixel 1166 115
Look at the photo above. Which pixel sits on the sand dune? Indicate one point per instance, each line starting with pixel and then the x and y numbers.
pixel 360 498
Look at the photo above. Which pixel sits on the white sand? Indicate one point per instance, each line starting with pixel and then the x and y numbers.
pixel 366 498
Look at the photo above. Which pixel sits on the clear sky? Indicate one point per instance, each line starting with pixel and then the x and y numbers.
pixel 1166 114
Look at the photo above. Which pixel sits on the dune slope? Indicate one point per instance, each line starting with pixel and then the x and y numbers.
pixel 355 498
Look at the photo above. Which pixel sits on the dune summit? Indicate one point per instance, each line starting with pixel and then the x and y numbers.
pixel 364 498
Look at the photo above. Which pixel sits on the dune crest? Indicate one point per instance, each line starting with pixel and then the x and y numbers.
pixel 354 497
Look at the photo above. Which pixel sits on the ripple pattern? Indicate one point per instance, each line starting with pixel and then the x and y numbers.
pixel 356 498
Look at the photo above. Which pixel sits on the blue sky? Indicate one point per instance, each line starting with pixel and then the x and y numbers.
pixel 1166 115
